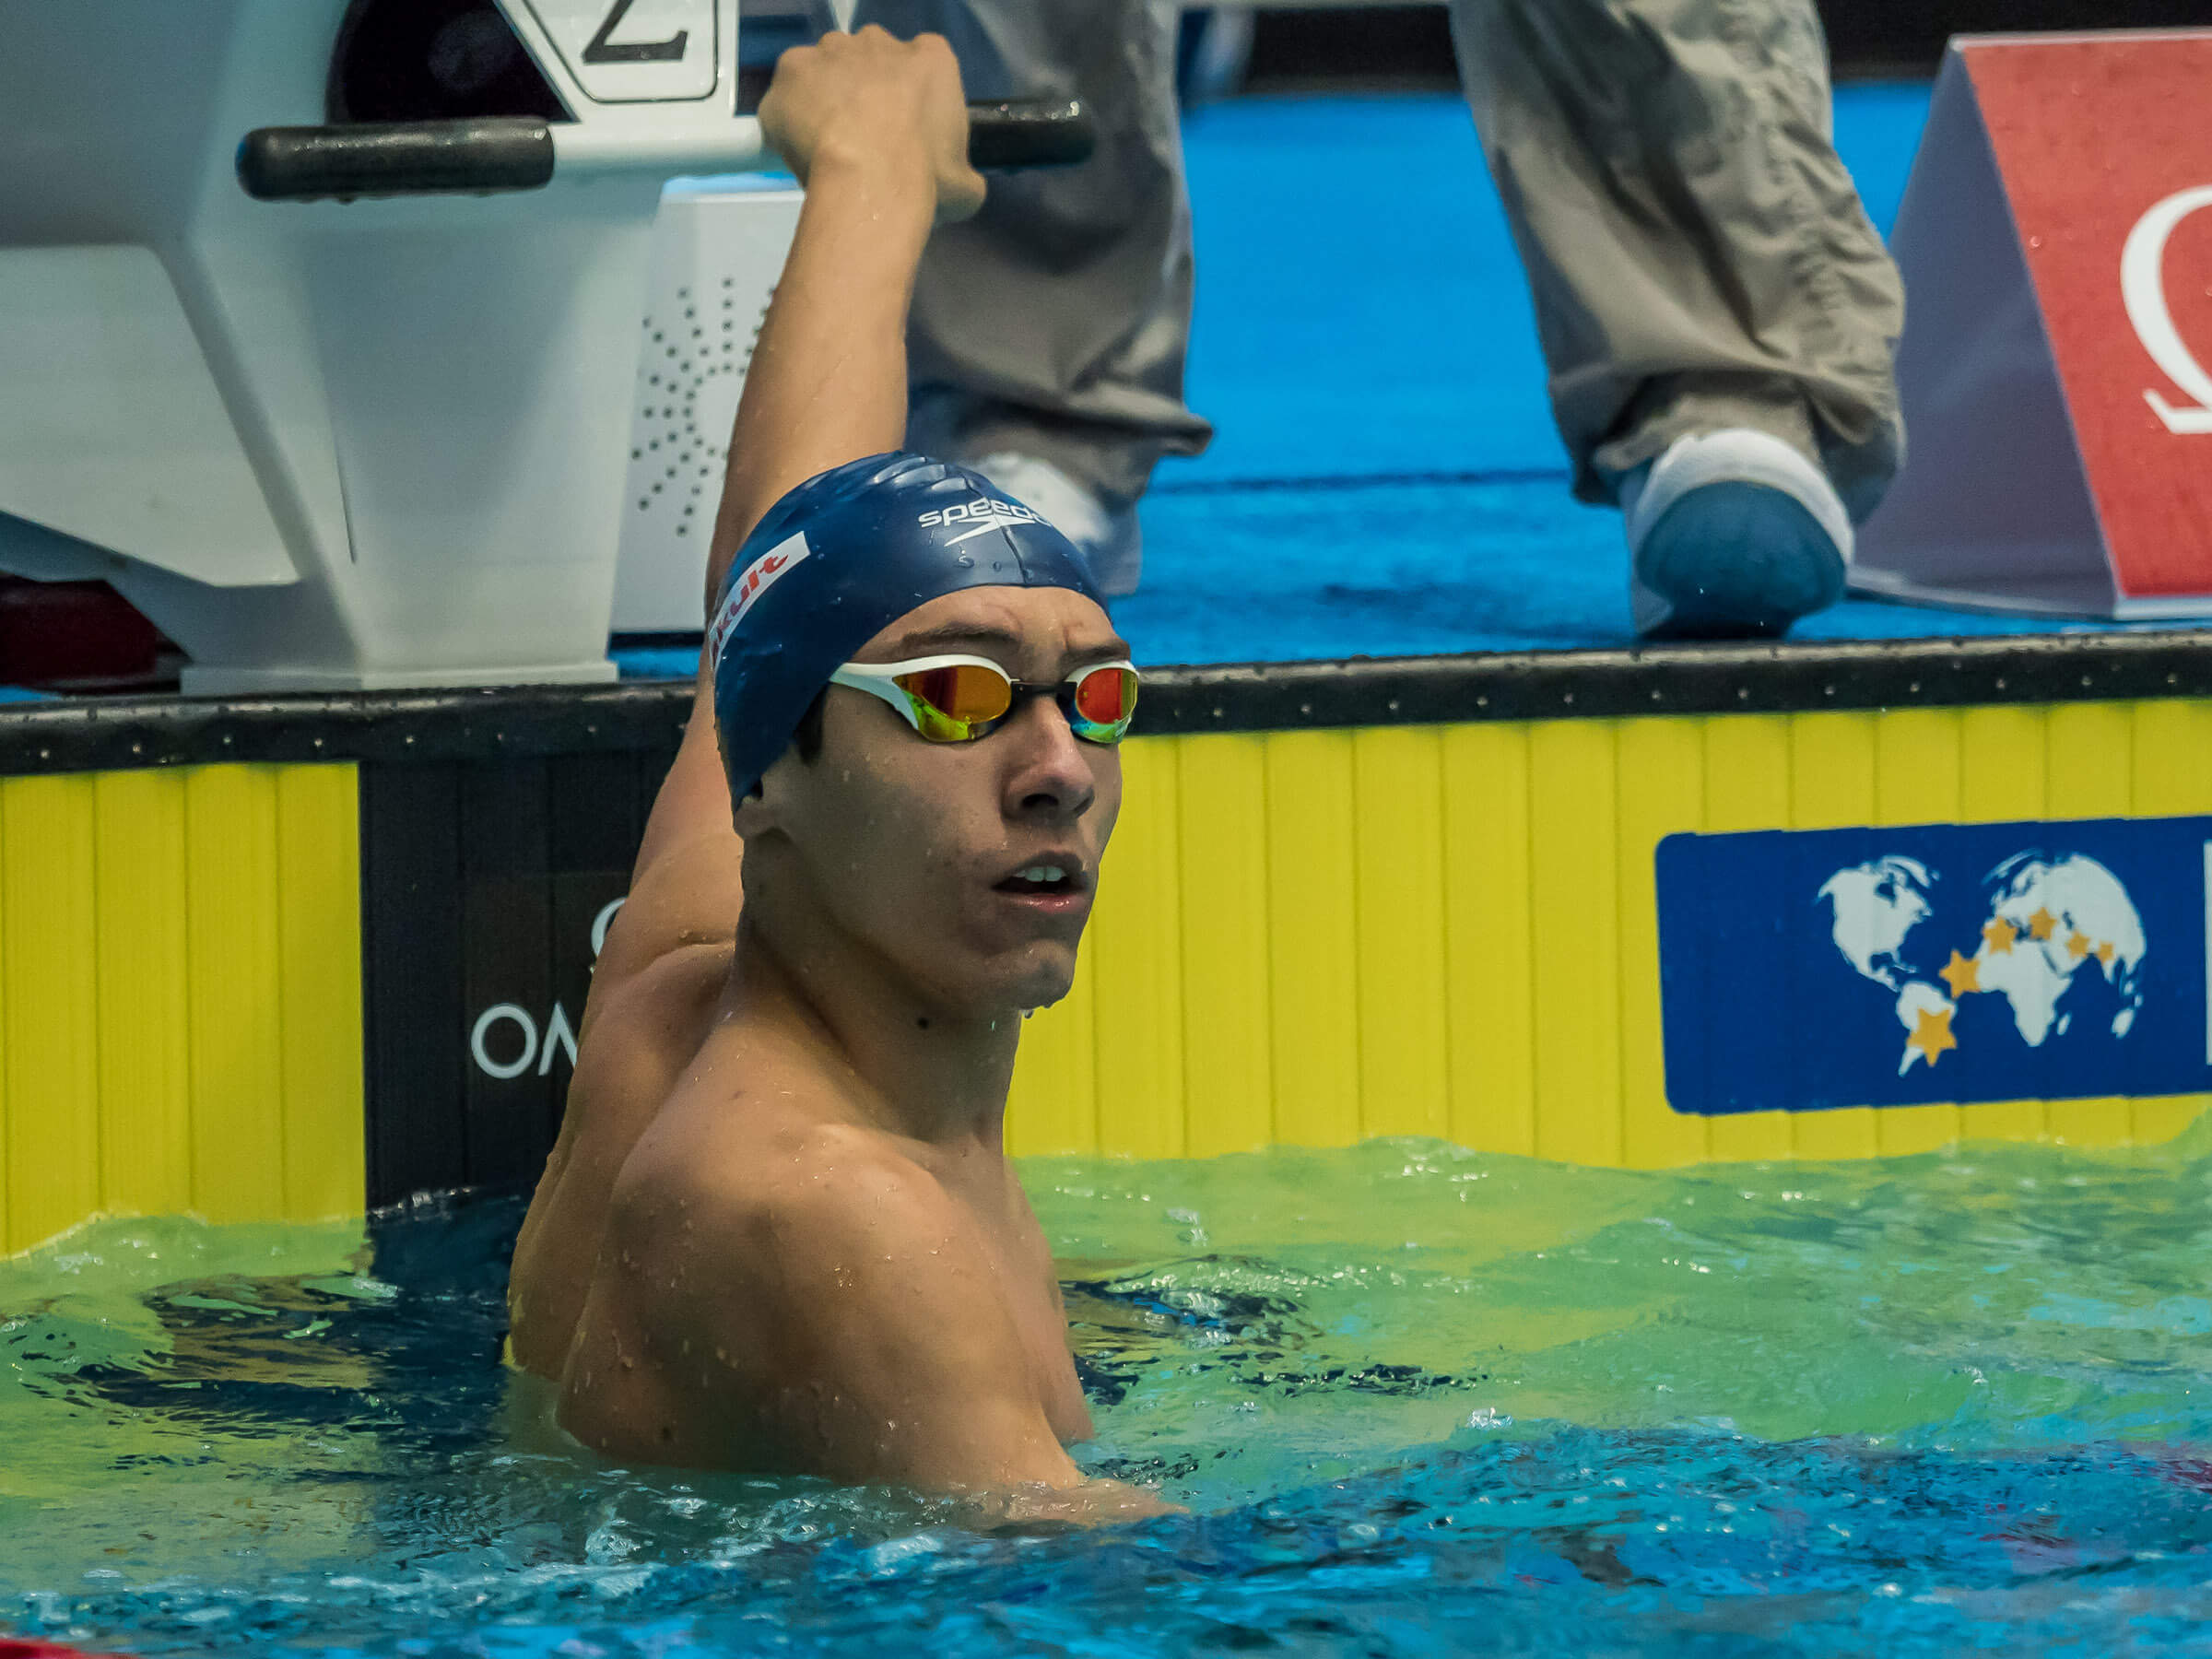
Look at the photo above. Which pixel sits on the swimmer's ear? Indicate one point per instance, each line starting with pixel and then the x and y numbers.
pixel 805 749
pixel 760 810
pixel 750 815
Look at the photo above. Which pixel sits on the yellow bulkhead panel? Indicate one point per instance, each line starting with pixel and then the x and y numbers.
pixel 1135 1015
pixel 180 997
pixel 144 1008
pixel 1400 920
pixel 1312 938
pixel 1469 949
pixel 51 1062
pixel 1490 938
pixel 1227 1073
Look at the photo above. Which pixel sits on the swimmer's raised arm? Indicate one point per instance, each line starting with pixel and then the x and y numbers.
pixel 877 129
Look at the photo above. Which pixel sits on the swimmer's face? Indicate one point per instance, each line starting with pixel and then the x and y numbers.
pixel 914 851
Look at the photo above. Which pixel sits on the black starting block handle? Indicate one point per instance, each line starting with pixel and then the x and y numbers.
pixel 488 154
pixel 1030 132
pixel 399 158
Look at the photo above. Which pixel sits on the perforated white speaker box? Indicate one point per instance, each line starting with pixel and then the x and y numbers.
pixel 718 247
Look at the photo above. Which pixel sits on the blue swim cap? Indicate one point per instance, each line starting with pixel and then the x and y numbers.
pixel 841 559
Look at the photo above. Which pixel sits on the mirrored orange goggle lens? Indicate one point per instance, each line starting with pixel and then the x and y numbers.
pixel 1106 696
pixel 963 691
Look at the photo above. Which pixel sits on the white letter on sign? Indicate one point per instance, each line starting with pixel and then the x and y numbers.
pixel 503 1069
pixel 2143 289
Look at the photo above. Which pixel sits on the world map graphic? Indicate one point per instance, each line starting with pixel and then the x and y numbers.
pixel 2049 919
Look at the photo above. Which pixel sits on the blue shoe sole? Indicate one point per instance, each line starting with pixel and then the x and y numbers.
pixel 1737 561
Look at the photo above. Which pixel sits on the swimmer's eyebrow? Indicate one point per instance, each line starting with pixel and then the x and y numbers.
pixel 955 634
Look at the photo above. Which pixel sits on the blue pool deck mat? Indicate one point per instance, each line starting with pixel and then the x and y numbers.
pixel 1385 480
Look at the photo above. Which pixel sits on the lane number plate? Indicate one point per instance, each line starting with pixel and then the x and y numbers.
pixel 634 50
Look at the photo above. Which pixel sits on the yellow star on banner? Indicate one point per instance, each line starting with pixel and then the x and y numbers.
pixel 2000 935
pixel 2104 953
pixel 2078 945
pixel 2041 923
pixel 1932 1034
pixel 1961 973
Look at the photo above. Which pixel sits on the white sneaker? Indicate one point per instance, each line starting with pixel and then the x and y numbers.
pixel 1109 539
pixel 1732 534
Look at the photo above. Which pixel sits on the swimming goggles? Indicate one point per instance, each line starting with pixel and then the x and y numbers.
pixel 960 698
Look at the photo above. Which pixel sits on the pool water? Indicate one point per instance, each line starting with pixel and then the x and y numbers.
pixel 1417 1400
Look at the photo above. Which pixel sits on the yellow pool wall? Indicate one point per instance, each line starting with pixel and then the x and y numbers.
pixel 1318 937
pixel 1308 937
pixel 180 997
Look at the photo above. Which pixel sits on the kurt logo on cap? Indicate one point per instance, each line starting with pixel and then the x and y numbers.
pixel 755 580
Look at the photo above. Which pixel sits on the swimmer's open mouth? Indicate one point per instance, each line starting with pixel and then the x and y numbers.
pixel 1045 879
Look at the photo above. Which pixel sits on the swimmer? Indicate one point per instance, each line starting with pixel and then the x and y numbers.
pixel 779 1231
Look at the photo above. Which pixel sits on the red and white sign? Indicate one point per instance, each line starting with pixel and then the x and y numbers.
pixel 2056 367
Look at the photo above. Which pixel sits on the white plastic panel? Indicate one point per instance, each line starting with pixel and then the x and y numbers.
pixel 111 428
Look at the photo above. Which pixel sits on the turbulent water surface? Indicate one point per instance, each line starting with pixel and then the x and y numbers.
pixel 1417 1400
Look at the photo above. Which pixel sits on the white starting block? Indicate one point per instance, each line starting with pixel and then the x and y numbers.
pixel 331 443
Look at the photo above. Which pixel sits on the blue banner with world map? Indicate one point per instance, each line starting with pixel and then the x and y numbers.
pixel 1803 969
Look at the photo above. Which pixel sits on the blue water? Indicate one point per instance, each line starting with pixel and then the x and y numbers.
pixel 1417 1400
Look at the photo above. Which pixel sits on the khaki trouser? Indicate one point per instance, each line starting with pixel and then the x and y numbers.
pixel 1055 322
pixel 1696 254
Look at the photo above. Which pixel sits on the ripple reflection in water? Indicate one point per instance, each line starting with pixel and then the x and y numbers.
pixel 1411 1391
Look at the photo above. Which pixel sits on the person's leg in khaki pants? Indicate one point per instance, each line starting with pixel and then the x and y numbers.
pixel 1048 333
pixel 1709 294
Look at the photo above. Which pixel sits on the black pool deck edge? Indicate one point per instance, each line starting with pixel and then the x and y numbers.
pixel 108 734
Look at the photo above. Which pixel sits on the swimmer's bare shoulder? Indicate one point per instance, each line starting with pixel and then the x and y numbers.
pixel 642 1030
pixel 782 1289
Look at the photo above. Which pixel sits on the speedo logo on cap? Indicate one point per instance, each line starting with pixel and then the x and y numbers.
pixel 982 513
pixel 763 573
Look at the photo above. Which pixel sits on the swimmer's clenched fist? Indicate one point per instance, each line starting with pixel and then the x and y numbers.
pixel 778 1230
pixel 872 101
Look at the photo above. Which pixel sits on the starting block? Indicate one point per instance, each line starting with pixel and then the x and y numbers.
pixel 2055 372
pixel 335 443
pixel 351 406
